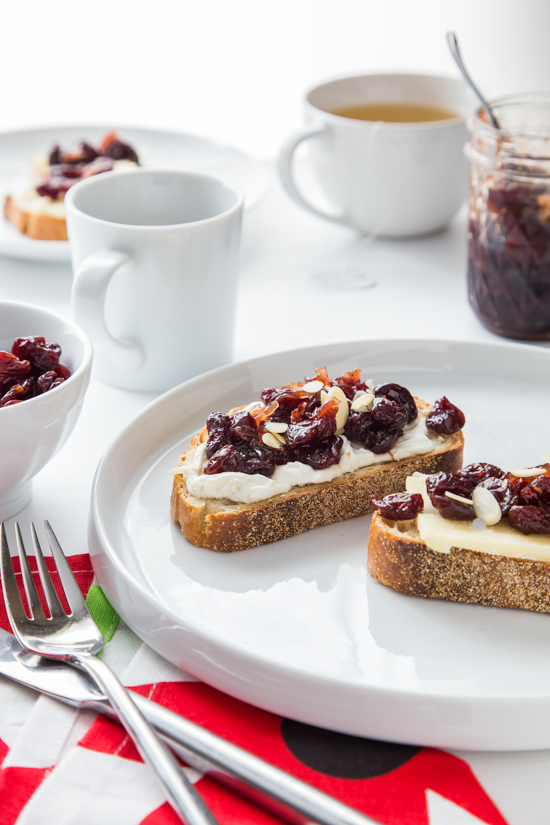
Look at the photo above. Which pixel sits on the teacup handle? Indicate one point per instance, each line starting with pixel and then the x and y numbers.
pixel 88 301
pixel 284 164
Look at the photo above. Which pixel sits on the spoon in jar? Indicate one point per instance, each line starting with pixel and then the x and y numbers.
pixel 455 51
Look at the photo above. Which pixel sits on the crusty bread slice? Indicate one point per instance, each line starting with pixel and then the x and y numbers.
pixel 399 558
pixel 226 526
pixel 38 225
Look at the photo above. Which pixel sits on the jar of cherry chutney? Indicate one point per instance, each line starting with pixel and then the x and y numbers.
pixel 509 223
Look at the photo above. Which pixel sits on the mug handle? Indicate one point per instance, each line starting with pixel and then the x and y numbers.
pixel 284 165
pixel 88 302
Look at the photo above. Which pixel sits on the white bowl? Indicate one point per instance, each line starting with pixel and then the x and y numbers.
pixel 32 432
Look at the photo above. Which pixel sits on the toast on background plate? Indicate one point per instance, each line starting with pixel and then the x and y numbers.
pixel 479 535
pixel 39 212
pixel 308 454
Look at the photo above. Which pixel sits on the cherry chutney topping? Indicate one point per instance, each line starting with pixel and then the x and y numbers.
pixel 82 161
pixel 525 501
pixel 32 368
pixel 236 441
pixel 509 261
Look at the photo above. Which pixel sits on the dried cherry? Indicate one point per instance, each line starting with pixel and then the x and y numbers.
pixel 226 460
pixel 445 418
pixel 438 484
pixel 358 425
pixel 31 369
pixel 479 471
pixel 537 492
pixel 395 392
pixel 242 427
pixel 530 519
pixel 319 457
pixel 320 427
pixel 381 439
pixel 217 426
pixel 18 392
pixel 42 356
pixel 287 399
pixel 55 155
pixel 258 459
pixel 47 381
pixel 87 153
pixel 118 150
pixel 12 370
pixel 399 506
pixel 389 413
pixel 54 187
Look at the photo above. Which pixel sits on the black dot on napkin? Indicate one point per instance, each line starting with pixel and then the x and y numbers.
pixel 347 757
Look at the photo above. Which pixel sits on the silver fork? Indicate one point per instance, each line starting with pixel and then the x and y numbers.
pixel 75 638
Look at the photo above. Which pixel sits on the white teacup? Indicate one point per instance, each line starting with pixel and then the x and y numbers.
pixel 396 179
pixel 155 255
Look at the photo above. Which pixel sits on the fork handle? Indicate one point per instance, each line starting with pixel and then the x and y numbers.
pixel 180 792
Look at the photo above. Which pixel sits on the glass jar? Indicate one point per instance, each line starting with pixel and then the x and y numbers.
pixel 509 225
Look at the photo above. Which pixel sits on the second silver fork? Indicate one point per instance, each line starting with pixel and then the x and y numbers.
pixel 75 638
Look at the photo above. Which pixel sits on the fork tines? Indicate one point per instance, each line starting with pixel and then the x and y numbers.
pixel 12 596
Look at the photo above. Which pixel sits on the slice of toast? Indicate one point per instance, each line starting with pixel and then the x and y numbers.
pixel 398 557
pixel 35 221
pixel 227 526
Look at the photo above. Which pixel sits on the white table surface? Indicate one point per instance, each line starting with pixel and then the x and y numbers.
pixel 419 291
pixel 285 301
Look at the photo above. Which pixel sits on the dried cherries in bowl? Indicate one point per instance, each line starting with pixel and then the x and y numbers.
pixel 30 369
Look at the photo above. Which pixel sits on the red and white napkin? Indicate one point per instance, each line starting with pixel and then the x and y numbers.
pixel 64 766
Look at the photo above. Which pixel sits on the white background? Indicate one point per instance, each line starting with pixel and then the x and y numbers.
pixel 235 69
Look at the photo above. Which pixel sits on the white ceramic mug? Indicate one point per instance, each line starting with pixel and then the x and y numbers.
pixel 396 179
pixel 155 255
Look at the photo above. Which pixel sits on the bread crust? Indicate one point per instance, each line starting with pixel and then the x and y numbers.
pixel 398 558
pixel 35 224
pixel 225 526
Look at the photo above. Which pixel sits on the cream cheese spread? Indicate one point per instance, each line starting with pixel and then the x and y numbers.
pixel 247 489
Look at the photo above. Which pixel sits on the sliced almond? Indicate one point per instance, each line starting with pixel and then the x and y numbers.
pixel 271 440
pixel 342 413
pixel 276 426
pixel 529 472
pixel 459 498
pixel 313 386
pixel 364 402
pixel 486 506
pixel 323 396
pixel 370 384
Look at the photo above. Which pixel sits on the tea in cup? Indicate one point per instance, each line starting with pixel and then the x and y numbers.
pixel 387 150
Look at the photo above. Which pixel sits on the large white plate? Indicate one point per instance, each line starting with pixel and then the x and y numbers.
pixel 298 627
pixel 167 149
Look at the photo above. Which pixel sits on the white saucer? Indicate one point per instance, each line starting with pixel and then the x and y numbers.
pixel 156 148
pixel 298 627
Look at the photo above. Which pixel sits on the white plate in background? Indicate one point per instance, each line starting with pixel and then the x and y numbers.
pixel 298 627
pixel 170 150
